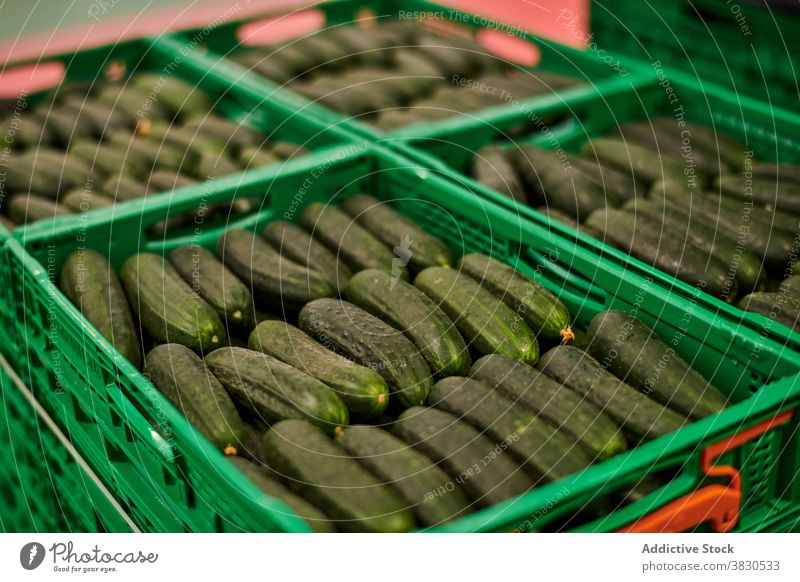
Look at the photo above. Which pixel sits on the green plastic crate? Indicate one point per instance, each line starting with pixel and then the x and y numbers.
pixel 45 486
pixel 744 46
pixel 71 363
pixel 222 39
pixel 772 134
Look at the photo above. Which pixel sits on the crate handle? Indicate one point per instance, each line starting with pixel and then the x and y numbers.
pixel 26 79
pixel 718 504
pixel 573 287
pixel 274 29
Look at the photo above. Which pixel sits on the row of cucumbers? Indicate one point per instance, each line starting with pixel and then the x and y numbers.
pixel 380 391
pixel 675 195
pixel 84 147
pixel 396 73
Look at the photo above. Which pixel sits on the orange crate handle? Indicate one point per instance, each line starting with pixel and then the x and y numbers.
pixel 717 504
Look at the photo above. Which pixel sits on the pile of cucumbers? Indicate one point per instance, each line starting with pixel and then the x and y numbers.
pixel 83 147
pixel 396 73
pixel 354 369
pixel 678 196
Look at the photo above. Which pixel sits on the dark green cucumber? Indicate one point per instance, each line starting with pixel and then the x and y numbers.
pixel 174 94
pixel 777 220
pixel 27 208
pixel 570 412
pixel 409 241
pixel 623 185
pixel 262 477
pixel 474 462
pixel 212 164
pixel 182 377
pixel 408 309
pixel 488 324
pixel 541 309
pixel 544 451
pixel 732 152
pixel 274 280
pixel 782 173
pixel 640 416
pixel 648 242
pixel 210 279
pixel 296 244
pixel 321 472
pixel 275 390
pixel 122 188
pixel 235 136
pixel 763 192
pixel 44 171
pixel 255 157
pixel 646 165
pixel 345 328
pixel 346 239
pixel 491 168
pixel 88 280
pixel 746 264
pixel 363 390
pixel 82 200
pixel 422 484
pixel 777 306
pixel 100 118
pixel 133 102
pixel 633 353
pixel 166 305
pixel 286 150
pixel 791 287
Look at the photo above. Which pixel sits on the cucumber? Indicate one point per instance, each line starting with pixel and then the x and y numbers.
pixel 295 243
pixel 220 288
pixel 645 165
pixel 791 287
pixel 776 306
pixel 81 200
pixel 285 150
pixel 27 208
pixel 322 473
pixel 235 136
pixel 182 377
pixel 647 241
pixel 763 192
pixel 491 168
pixel 88 280
pixel 397 232
pixel 274 390
pixel 363 390
pixel 122 188
pixel 345 328
pixel 560 216
pixel 623 185
pixel 482 467
pixel 732 152
pixel 211 164
pixel 356 246
pixel 133 102
pixel 45 172
pixel 488 325
pixel 177 96
pixel 63 126
pixel 541 309
pixel 783 173
pixel 423 485
pixel 780 221
pixel 274 280
pixel 256 157
pixel 261 476
pixel 570 412
pixel 408 309
pixel 746 265
pixel 639 416
pixel 633 353
pixel 544 451
pixel 166 180
pixel 108 159
pixel 166 306
pixel 99 118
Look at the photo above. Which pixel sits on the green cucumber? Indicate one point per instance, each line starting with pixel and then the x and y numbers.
pixel 779 307
pixel 82 200
pixel 541 309
pixel 763 192
pixel 274 390
pixel 274 280
pixel 491 168
pixel 408 309
pixel 633 353
pixel 646 240
pixel 544 451
pixel 322 473
pixel 488 324
pixel 122 188
pixel 286 150
pixel 345 328
pixel 397 232
pixel 783 173
pixel 641 417
pixel 262 477
pixel 44 171
pixel 182 377
pixel 623 185
pixel 423 485
pixel 166 306
pixel 474 462
pixel 791 287
pixel 173 94
pixel 555 403
pixel 363 390
pixel 210 279
pixel 346 239
pixel 296 244
pixel 27 208
pixel 645 165
pixel 235 136
pixel 88 280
